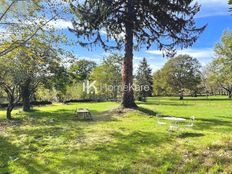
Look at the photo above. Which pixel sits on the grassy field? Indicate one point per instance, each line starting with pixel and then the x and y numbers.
pixel 50 139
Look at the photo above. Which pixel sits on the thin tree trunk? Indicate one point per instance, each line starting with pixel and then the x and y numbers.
pixel 127 72
pixel 26 99
pixel 181 94
pixel 230 94
pixel 9 110
pixel 8 114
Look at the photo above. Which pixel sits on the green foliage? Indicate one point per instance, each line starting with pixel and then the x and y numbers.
pixel 24 20
pixel 144 80
pixel 219 71
pixel 81 69
pixel 131 24
pixel 108 77
pixel 179 74
pixel 160 84
pixel 148 24
pixel 9 84
pixel 30 66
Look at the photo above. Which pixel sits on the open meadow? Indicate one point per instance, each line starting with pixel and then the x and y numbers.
pixel 51 140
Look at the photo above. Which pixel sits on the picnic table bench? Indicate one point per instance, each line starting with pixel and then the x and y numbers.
pixel 85 113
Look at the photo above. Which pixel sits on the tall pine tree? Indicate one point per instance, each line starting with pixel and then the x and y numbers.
pixel 133 23
pixel 144 80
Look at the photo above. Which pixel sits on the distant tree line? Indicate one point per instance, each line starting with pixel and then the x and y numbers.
pixel 38 72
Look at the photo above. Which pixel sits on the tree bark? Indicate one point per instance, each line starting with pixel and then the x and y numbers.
pixel 230 94
pixel 8 113
pixel 9 109
pixel 181 95
pixel 26 99
pixel 127 72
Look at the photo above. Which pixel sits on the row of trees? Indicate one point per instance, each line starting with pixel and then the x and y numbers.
pixel 184 74
pixel 36 71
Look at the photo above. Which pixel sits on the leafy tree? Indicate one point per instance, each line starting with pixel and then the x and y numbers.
pixel 160 85
pixel 144 80
pixel 181 73
pixel 35 63
pixel 23 20
pixel 9 84
pixel 219 71
pixel 81 69
pixel 108 77
pixel 167 23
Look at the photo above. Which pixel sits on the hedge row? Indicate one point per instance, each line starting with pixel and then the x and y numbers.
pixel 35 103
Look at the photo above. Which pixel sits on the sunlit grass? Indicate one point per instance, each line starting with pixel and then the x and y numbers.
pixel 51 140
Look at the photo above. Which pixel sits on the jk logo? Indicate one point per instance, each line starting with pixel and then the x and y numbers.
pixel 89 87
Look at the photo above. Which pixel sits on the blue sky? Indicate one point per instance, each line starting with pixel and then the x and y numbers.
pixel 215 13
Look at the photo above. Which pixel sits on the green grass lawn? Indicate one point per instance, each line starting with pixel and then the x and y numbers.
pixel 51 140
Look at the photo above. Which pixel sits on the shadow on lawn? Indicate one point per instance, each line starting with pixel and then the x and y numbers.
pixel 147 111
pixel 190 134
pixel 64 116
pixel 11 158
pixel 207 123
pixel 154 102
pixel 196 99
pixel 124 150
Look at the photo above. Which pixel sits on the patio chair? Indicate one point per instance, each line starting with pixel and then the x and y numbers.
pixel 191 122
pixel 159 122
pixel 173 127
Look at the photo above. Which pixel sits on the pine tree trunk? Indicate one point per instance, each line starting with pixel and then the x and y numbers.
pixel 26 99
pixel 127 72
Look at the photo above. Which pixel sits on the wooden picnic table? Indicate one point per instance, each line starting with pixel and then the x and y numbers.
pixel 85 113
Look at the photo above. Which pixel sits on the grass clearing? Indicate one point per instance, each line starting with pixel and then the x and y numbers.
pixel 51 140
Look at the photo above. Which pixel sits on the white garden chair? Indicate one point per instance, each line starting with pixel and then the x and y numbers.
pixel 191 122
pixel 160 122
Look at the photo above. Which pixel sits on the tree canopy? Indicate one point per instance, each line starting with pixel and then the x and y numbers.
pixel 179 73
pixel 131 24
pixel 219 71
pixel 144 80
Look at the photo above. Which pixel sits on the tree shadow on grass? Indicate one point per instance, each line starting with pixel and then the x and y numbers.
pixel 147 111
pixel 179 103
pixel 11 158
pixel 109 157
pixel 207 123
pixel 64 116
pixel 8 152
pixel 190 134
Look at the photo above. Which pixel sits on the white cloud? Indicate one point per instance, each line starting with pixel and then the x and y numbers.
pixel 61 24
pixel 196 53
pixel 212 2
pixel 213 8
